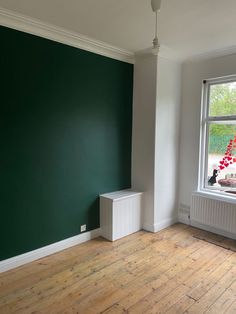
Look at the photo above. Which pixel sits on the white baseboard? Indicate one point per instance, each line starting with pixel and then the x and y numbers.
pixel 184 218
pixel 160 225
pixel 148 227
pixel 209 228
pixel 25 258
pixel 165 223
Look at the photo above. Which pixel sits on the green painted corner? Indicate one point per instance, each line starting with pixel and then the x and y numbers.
pixel 66 129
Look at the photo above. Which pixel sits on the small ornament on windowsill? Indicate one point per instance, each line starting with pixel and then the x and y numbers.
pixel 228 159
pixel 212 179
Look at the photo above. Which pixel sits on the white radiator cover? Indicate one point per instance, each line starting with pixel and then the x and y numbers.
pixel 120 214
pixel 213 215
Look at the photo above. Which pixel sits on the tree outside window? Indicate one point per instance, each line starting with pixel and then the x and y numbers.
pixel 219 135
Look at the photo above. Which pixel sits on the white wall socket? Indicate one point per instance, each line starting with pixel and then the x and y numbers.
pixel 82 228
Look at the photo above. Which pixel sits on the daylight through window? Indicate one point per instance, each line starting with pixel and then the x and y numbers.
pixel 218 136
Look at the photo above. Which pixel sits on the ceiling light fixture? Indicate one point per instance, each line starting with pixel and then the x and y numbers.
pixel 156 7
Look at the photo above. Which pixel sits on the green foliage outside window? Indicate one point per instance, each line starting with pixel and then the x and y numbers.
pixel 222 103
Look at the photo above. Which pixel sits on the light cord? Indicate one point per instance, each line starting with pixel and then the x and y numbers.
pixel 156 25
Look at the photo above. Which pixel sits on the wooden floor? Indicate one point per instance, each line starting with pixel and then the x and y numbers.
pixel 167 272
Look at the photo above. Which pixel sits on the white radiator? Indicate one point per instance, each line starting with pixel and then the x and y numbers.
pixel 213 215
pixel 120 214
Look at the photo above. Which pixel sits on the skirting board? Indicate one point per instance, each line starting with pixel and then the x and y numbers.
pixel 25 258
pixel 160 225
pixel 222 232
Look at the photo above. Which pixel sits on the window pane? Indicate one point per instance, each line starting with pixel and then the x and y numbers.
pixel 221 172
pixel 222 101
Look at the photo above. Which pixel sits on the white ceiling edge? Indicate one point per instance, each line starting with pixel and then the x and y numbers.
pixel 212 54
pixel 36 27
pixel 164 52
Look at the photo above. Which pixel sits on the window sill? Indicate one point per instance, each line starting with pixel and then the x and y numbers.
pixel 218 196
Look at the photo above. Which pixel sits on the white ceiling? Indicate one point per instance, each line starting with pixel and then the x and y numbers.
pixel 186 27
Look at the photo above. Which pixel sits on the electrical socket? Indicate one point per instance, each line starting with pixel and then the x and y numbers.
pixel 82 228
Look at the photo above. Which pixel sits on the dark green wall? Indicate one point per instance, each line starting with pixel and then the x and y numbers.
pixel 66 121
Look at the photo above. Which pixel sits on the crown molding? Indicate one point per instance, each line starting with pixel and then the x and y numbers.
pixel 164 53
pixel 36 27
pixel 223 52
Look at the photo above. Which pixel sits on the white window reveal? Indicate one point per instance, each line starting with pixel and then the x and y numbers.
pixel 217 170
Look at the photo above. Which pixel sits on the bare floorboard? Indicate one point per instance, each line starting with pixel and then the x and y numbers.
pixel 172 271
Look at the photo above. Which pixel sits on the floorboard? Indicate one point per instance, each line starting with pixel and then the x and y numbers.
pixel 172 271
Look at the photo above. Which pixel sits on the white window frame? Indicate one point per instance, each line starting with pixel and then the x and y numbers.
pixel 204 136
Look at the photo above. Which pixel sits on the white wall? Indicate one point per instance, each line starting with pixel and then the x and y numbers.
pixel 167 142
pixel 143 137
pixel 193 74
pixel 157 87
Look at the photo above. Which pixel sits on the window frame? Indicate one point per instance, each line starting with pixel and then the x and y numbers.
pixel 206 120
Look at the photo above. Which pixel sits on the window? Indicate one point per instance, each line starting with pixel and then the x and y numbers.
pixel 217 171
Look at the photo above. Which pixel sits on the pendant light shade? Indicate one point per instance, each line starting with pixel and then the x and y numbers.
pixel 156 5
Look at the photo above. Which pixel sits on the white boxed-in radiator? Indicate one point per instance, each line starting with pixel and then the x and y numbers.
pixel 120 214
